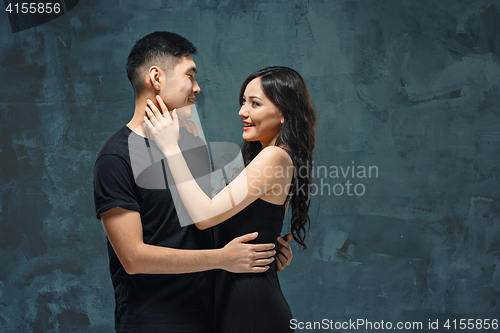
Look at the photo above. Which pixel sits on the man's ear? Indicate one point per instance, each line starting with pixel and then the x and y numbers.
pixel 154 77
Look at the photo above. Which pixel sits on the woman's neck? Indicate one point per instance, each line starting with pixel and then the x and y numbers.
pixel 272 142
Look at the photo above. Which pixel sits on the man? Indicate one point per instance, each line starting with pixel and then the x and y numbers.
pixel 161 272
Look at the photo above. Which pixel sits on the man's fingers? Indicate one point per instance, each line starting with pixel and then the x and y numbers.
pixel 264 262
pixel 246 238
pixel 285 248
pixel 263 247
pixel 279 265
pixel 265 254
pixel 259 269
pixel 282 259
pixel 283 243
pixel 285 254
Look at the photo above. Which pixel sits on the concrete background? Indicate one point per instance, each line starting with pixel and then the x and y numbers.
pixel 411 87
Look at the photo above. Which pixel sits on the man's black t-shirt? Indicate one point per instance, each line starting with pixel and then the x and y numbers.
pixel 159 302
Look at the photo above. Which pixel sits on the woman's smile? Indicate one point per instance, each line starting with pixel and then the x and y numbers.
pixel 261 119
pixel 247 125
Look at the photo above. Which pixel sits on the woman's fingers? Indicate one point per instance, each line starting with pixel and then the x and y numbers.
pixel 190 126
pixel 186 125
pixel 162 104
pixel 153 107
pixel 175 118
pixel 147 123
pixel 194 129
pixel 153 120
pixel 155 116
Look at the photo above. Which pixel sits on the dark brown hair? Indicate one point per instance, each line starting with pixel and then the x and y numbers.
pixel 287 90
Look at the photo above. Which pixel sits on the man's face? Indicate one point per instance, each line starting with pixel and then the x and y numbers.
pixel 179 86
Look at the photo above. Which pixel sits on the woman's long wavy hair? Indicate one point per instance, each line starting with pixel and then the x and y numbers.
pixel 287 90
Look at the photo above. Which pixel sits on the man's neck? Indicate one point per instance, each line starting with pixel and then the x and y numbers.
pixel 136 124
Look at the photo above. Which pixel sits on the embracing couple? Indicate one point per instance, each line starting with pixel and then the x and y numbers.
pixel 172 277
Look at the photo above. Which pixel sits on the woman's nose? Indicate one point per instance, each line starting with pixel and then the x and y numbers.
pixel 243 112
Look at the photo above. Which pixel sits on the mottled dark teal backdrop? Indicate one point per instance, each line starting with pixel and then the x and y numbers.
pixel 408 87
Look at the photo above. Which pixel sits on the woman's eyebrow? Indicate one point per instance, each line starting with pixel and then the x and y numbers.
pixel 255 97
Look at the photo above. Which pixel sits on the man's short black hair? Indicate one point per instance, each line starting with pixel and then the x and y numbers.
pixel 157 46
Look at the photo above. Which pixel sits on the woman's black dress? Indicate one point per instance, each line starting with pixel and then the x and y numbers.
pixel 252 302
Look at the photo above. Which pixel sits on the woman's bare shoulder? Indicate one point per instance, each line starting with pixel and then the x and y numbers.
pixel 274 155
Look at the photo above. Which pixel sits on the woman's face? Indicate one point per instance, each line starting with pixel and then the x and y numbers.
pixel 261 119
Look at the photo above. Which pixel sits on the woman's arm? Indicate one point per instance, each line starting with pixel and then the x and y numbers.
pixel 271 169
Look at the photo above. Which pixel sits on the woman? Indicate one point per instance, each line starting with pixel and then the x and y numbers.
pixel 278 129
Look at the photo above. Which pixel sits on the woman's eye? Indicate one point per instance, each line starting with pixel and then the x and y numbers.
pixel 255 104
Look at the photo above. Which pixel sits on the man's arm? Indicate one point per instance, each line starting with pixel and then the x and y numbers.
pixel 124 230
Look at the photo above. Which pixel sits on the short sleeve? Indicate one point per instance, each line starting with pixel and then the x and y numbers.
pixel 113 185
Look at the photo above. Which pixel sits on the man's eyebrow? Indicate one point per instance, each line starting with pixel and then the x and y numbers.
pixel 192 69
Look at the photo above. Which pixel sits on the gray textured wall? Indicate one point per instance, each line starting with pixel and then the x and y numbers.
pixel 411 87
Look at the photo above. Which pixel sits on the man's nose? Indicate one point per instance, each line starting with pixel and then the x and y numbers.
pixel 196 88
